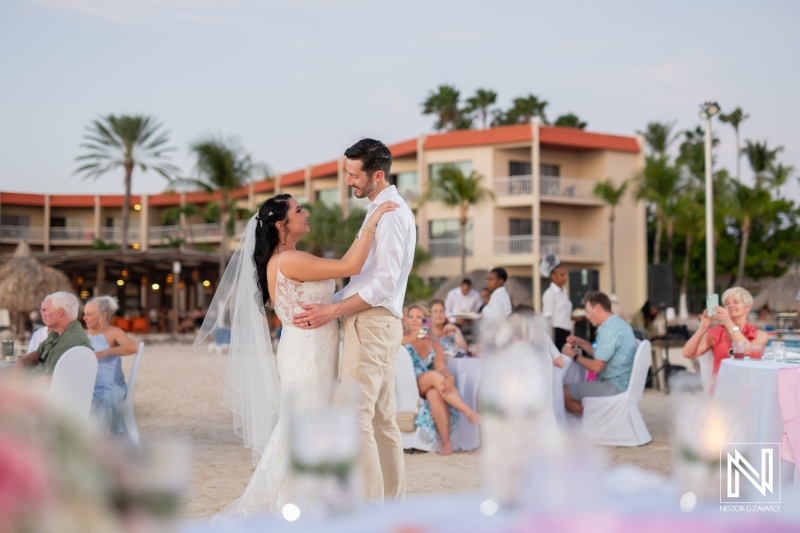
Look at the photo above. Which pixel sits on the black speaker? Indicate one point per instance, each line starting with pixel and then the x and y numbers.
pixel 661 285
pixel 581 282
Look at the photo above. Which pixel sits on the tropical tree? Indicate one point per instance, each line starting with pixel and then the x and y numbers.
pixel 778 176
pixel 659 137
pixel 748 204
pixel 331 232
pixel 691 223
pixel 444 103
pixel 454 189
pixel 658 184
pixel 522 111
pixel 221 166
pixel 480 104
pixel 611 195
pixel 127 142
pixel 760 157
pixel 570 120
pixel 692 152
pixel 735 118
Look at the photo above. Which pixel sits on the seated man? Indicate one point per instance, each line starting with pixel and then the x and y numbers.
pixel 60 314
pixel 613 355
pixel 460 299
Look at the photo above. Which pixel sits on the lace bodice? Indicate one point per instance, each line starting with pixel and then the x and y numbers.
pixel 291 295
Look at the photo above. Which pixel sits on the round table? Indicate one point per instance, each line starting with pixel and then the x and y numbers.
pixel 468 372
pixel 751 386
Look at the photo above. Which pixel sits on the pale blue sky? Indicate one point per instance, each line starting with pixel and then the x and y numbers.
pixel 297 81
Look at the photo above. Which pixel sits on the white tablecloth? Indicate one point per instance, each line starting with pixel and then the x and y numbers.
pixel 468 372
pixel 752 387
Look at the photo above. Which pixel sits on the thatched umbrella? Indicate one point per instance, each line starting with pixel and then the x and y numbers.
pixel 516 290
pixel 24 282
pixel 779 296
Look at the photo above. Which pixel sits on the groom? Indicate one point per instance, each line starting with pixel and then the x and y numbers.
pixel 371 306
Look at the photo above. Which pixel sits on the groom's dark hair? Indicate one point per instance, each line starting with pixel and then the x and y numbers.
pixel 374 155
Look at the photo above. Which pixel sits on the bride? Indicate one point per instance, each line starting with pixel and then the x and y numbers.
pixel 265 270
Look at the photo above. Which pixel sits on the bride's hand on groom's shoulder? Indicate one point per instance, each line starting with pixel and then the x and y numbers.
pixel 382 209
pixel 313 316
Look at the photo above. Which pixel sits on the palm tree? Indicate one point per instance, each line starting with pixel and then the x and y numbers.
pixel 692 152
pixel 522 111
pixel 611 195
pixel 444 104
pixel 126 142
pixel 748 204
pixel 659 137
pixel 570 120
pixel 690 221
pixel 760 157
pixel 734 118
pixel 659 183
pixel 221 166
pixel 479 105
pixel 778 176
pixel 454 189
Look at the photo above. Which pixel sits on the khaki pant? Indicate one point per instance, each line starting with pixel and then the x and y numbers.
pixel 371 340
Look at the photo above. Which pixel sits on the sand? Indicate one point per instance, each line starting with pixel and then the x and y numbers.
pixel 178 396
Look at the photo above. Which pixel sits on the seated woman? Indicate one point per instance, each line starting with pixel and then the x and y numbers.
pixel 449 335
pixel 644 322
pixel 109 342
pixel 728 324
pixel 436 384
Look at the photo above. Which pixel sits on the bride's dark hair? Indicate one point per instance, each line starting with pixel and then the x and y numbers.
pixel 270 213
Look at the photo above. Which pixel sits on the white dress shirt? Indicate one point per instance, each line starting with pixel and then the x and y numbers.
pixel 499 306
pixel 383 279
pixel 556 307
pixel 456 302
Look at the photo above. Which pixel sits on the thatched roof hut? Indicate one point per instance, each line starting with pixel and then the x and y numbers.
pixel 781 294
pixel 518 292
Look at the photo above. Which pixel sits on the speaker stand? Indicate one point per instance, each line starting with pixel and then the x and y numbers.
pixel 665 366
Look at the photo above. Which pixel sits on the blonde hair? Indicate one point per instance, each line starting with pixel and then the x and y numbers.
pixel 743 295
pixel 106 305
pixel 422 307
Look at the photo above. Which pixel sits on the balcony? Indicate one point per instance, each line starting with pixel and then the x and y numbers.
pixel 447 247
pixel 518 190
pixel 575 249
pixel 115 234
pixel 85 235
pixel 22 233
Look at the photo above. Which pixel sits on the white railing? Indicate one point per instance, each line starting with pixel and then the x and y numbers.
pixel 203 231
pixel 115 234
pixel 447 247
pixel 72 234
pixel 552 186
pixel 561 246
pixel 23 233
pixel 160 233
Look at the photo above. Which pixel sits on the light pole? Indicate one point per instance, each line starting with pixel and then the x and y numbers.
pixel 708 110
pixel 176 283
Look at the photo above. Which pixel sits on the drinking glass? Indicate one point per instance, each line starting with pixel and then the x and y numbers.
pixel 8 349
pixel 739 348
pixel 323 439
pixel 779 351
pixel 756 352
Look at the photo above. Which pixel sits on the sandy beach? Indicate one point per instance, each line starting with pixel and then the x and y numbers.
pixel 178 396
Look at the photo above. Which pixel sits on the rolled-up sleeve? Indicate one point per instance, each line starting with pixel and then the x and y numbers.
pixel 388 253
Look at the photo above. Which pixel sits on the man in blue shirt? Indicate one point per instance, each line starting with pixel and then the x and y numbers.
pixel 613 354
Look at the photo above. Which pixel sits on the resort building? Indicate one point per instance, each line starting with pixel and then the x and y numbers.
pixel 542 178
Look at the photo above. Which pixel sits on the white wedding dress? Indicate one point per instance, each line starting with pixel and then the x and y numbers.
pixel 304 357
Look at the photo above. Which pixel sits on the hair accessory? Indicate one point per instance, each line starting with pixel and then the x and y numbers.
pixel 269 214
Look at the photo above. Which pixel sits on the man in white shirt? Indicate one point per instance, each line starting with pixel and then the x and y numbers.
pixel 556 306
pixel 499 306
pixel 460 299
pixel 371 308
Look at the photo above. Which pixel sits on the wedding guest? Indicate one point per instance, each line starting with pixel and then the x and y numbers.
pixel 60 315
pixel 437 386
pixel 556 306
pixel 109 343
pixel 644 321
pixel 611 359
pixel 449 335
pixel 728 324
pixel 460 299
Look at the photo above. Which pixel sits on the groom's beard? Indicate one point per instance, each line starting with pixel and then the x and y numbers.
pixel 364 192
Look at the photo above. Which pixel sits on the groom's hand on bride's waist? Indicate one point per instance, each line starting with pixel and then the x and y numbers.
pixel 314 316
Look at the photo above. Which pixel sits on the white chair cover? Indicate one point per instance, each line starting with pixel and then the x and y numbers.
pixel 406 395
pixel 126 407
pixel 616 420
pixel 706 371
pixel 73 380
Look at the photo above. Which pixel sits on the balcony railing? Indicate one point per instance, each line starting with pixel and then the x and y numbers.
pixel 160 233
pixel 447 247
pixel 72 234
pixel 22 233
pixel 561 246
pixel 550 186
pixel 115 234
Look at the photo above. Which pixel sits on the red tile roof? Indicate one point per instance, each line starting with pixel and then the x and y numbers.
pixel 73 200
pixel 460 138
pixel 265 185
pixel 21 198
pixel 164 199
pixel 330 168
pixel 293 178
pixel 403 149
pixel 116 200
pixel 575 138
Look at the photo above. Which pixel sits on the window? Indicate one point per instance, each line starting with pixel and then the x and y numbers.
pixel 520 226
pixel 329 197
pixel 445 237
pixel 550 228
pixel 406 183
pixel 436 168
pixel 519 168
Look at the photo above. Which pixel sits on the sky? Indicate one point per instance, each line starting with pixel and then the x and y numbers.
pixel 298 81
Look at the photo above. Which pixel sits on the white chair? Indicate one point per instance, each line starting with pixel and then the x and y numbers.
pixel 406 396
pixel 706 371
pixel 73 379
pixel 126 407
pixel 616 420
